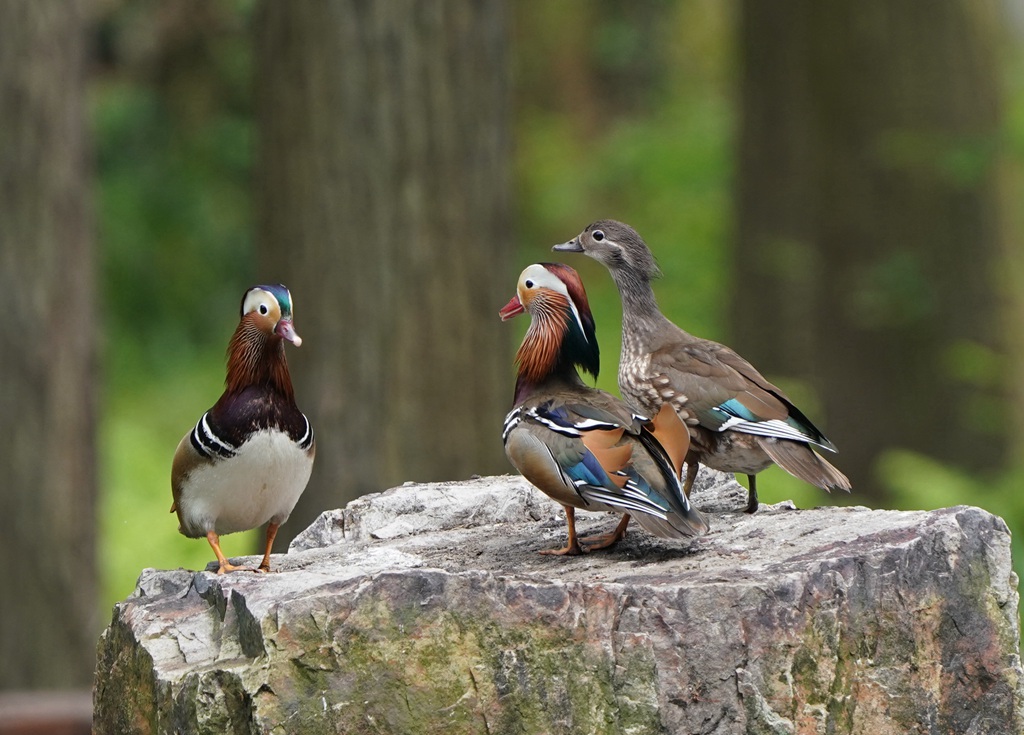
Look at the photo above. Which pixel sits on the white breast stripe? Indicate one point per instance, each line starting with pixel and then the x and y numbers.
pixel 213 438
pixel 307 438
pixel 209 444
pixel 197 442
pixel 511 422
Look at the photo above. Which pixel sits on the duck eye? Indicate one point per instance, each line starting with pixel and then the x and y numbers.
pixel 264 310
pixel 598 235
pixel 528 283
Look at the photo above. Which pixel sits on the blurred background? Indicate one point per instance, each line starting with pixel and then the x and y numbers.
pixel 831 189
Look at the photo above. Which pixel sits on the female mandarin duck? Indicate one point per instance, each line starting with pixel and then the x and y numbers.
pixel 248 459
pixel 739 422
pixel 579 445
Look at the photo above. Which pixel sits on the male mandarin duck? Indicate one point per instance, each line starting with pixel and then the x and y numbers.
pixel 738 421
pixel 581 446
pixel 248 459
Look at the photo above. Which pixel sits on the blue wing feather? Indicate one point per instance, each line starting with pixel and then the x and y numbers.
pixel 733 415
pixel 588 470
pixel 737 409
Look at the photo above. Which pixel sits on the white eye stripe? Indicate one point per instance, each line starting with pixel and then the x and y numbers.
pixel 256 300
pixel 537 275
pixel 262 302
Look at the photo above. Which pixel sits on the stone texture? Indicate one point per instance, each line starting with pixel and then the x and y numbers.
pixel 426 609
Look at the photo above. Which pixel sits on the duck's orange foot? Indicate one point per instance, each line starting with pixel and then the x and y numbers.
pixel 264 566
pixel 226 566
pixel 573 549
pixel 606 540
pixel 602 541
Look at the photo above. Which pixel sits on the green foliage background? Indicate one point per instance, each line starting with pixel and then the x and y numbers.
pixel 173 123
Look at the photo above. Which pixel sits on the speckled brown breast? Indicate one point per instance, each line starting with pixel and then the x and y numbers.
pixel 647 391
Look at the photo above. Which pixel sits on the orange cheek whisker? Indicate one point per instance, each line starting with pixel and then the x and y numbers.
pixel 538 354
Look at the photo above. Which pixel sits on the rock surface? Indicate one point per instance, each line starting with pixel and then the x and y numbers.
pixel 426 609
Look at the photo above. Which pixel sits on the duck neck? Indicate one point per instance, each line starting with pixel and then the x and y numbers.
pixel 641 316
pixel 638 301
pixel 527 388
pixel 258 359
pixel 544 359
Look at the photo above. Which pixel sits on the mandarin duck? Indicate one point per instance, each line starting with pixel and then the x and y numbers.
pixel 581 446
pixel 739 422
pixel 248 459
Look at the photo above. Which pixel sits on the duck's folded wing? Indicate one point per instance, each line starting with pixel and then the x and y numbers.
pixel 725 392
pixel 557 448
pixel 555 458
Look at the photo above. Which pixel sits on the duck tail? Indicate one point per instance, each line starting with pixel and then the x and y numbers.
pixel 799 460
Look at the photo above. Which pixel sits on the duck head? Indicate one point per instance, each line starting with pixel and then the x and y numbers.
pixel 615 244
pixel 268 310
pixel 256 351
pixel 562 335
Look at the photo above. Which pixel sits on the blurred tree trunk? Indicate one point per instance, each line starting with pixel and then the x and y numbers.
pixel 383 203
pixel 868 222
pixel 48 612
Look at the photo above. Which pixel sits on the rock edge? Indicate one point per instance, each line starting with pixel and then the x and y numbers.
pixel 427 609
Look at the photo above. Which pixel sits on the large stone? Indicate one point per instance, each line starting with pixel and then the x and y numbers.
pixel 427 609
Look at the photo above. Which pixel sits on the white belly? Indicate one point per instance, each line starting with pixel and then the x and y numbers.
pixel 261 483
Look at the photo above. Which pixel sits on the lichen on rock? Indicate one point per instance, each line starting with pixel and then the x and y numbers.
pixel 427 609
